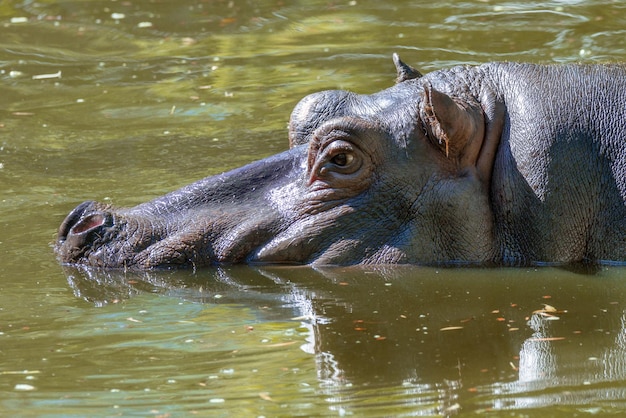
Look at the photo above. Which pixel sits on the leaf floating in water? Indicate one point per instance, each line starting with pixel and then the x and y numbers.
pixel 549 308
pixel 450 328
pixel 24 387
pixel 47 76
pixel 546 339
pixel 217 400
pixel 20 372
pixel 227 21
pixel 548 312
pixel 265 396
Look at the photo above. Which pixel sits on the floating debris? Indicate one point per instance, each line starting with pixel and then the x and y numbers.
pixel 450 328
pixel 546 339
pixel 47 76
pixel 265 396
pixel 28 372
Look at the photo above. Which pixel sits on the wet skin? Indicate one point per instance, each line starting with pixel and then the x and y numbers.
pixel 497 164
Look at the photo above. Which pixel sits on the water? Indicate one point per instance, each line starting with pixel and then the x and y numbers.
pixel 124 101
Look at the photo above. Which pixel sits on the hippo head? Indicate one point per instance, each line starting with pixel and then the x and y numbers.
pixel 398 176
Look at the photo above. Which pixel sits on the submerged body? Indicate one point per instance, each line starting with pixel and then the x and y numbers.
pixel 500 164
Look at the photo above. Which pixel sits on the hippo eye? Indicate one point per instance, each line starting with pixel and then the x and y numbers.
pixel 343 159
pixel 335 159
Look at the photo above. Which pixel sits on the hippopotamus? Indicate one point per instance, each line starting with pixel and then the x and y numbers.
pixel 496 164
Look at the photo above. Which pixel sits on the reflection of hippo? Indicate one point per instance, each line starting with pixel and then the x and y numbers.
pixel 431 340
pixel 501 163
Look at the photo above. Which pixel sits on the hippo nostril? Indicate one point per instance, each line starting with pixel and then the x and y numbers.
pixel 82 231
pixel 88 223
pixel 72 219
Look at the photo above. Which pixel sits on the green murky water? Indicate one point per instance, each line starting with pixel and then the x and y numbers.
pixel 126 100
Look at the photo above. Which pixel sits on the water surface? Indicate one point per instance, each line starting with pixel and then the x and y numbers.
pixel 124 101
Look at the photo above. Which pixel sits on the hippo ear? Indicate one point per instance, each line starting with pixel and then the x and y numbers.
pixel 449 123
pixel 405 71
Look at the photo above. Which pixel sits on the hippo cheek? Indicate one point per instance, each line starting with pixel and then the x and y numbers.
pixel 304 241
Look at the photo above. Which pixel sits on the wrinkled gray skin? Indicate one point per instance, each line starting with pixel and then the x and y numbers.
pixel 500 164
